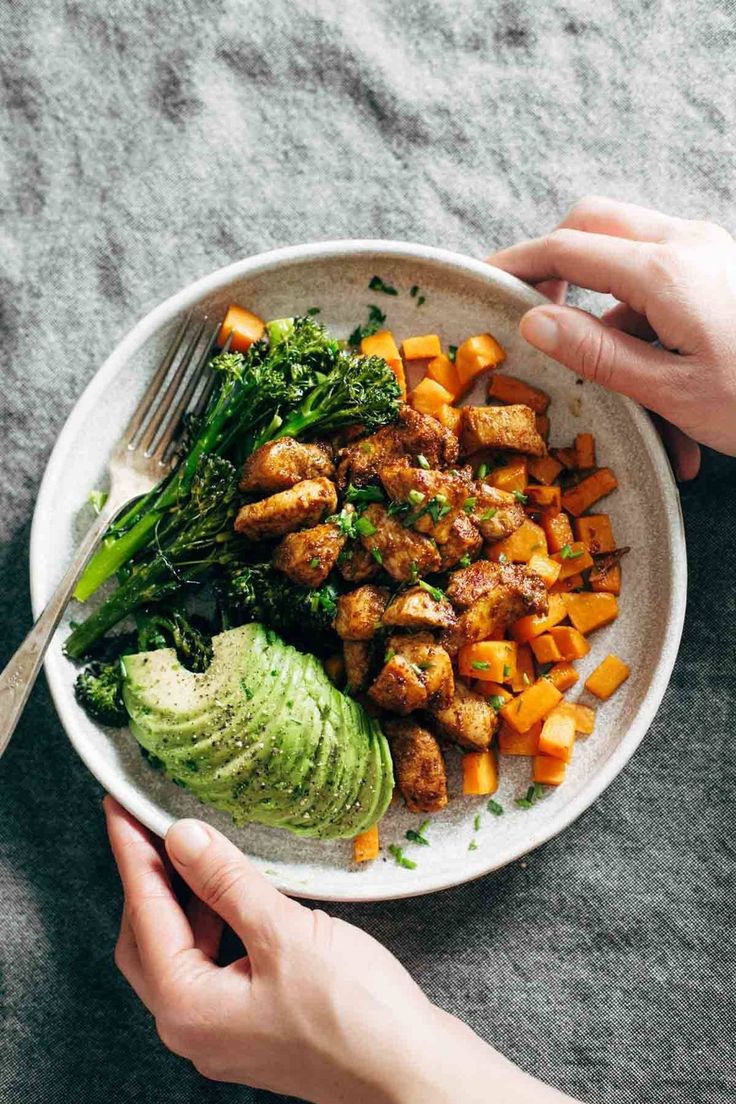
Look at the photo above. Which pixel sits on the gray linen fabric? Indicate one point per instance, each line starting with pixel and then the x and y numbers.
pixel 146 144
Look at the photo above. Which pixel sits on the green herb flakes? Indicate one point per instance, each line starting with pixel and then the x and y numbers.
pixel 400 857
pixel 469 504
pixel 434 591
pixel 314 562
pixel 480 665
pixel 477 822
pixel 377 284
pixel 494 808
pixel 376 554
pixel 364 527
pixel 567 553
pixel 482 471
pixel 422 461
pixel 418 836
pixel 464 561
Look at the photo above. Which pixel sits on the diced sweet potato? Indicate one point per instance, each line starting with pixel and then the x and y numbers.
pixel 564 586
pixel 573 559
pixel 511 476
pixel 450 416
pixel 607 677
pixel 570 643
pixel 476 355
pixel 548 499
pixel 558 531
pixel 558 735
pixel 532 705
pixel 548 771
pixel 541 421
pixel 366 845
pixel 589 612
pixel 441 369
pixel 585 450
pixel 544 469
pixel 534 624
pixel 520 546
pixel 511 742
pixel 607 582
pixel 509 389
pixel 480 773
pixel 524 675
pixel 547 569
pixel 242 327
pixel 545 648
pixel 493 690
pixel 588 491
pixel 427 345
pixel 596 533
pixel 488 660
pixel 584 718
pixel 429 396
pixel 382 344
pixel 563 676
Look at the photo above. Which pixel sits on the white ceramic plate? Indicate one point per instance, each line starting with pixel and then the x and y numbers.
pixel 463 296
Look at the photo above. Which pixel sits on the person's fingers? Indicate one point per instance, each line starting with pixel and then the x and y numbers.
pixel 221 876
pixel 162 931
pixel 684 453
pixel 622 317
pixel 599 262
pixel 554 290
pixel 610 357
pixel 207 927
pixel 600 215
pixel 129 963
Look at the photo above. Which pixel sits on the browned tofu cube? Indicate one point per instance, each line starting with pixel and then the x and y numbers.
pixel 492 601
pixel 411 435
pixel 309 556
pixel 283 463
pixel 357 656
pixel 496 513
pixel 433 497
pixel 419 766
pixel 359 612
pixel 462 539
pixel 430 660
pixel 304 504
pixel 403 553
pixel 356 564
pixel 500 427
pixel 399 687
pixel 417 608
pixel 468 720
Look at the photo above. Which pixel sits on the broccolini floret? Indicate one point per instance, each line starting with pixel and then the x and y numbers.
pixel 99 690
pixel 302 615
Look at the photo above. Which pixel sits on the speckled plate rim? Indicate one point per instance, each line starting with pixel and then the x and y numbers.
pixel 135 802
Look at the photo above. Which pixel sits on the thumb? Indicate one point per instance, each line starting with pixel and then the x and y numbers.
pixel 219 874
pixel 604 354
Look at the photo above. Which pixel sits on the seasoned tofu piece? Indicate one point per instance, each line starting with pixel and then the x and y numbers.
pixel 463 539
pixel 356 564
pixel 500 427
pixel 403 553
pixel 419 766
pixel 359 612
pixel 496 513
pixel 309 556
pixel 304 504
pixel 416 608
pixel 432 495
pixel 399 687
pixel 491 606
pixel 411 435
pixel 469 720
pixel 283 463
pixel 430 660
pixel 357 657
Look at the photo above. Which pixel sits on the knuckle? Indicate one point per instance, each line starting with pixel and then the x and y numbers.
pixel 587 205
pixel 710 232
pixel 594 356
pixel 223 881
pixel 175 1029
pixel 667 263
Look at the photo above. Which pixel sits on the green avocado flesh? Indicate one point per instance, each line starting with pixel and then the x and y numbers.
pixel 263 735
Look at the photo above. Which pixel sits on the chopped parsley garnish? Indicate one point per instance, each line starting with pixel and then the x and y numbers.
pixel 290 704
pixel 376 554
pixel 422 461
pixel 435 592
pixel 438 507
pixel 246 690
pixel 271 637
pixel 497 702
pixel 480 665
pixel 506 670
pixel 477 822
pixel 469 504
pixel 421 301
pixel 390 653
pixel 417 836
pixel 311 311
pixel 520 496
pixel 534 794
pixel 416 498
pixel 482 471
pixel 464 561
pixel 451 352
pixel 525 679
pixel 568 554
pixel 346 521
pixel 363 495
pixel 364 527
pixel 487 515
pixel 472 846
pixel 414 571
pixel 494 808
pixel 400 857
pixel 314 562
pixel 376 318
pixel 377 284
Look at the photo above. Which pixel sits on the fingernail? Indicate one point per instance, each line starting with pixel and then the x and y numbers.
pixel 186 840
pixel 541 330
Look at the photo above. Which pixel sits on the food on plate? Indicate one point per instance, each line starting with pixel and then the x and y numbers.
pixel 346 572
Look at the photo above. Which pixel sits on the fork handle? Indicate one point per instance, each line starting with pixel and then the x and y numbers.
pixel 16 681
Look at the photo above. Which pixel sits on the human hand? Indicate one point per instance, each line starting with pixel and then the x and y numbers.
pixel 675 280
pixel 317 1008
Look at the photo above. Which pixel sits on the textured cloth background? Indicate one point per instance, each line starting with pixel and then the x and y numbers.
pixel 146 144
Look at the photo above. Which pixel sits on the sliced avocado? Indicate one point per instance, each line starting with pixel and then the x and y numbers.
pixel 262 734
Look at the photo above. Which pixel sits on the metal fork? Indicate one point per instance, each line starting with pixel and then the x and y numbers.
pixel 142 456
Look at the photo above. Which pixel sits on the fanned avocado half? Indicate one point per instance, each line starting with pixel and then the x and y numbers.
pixel 263 735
